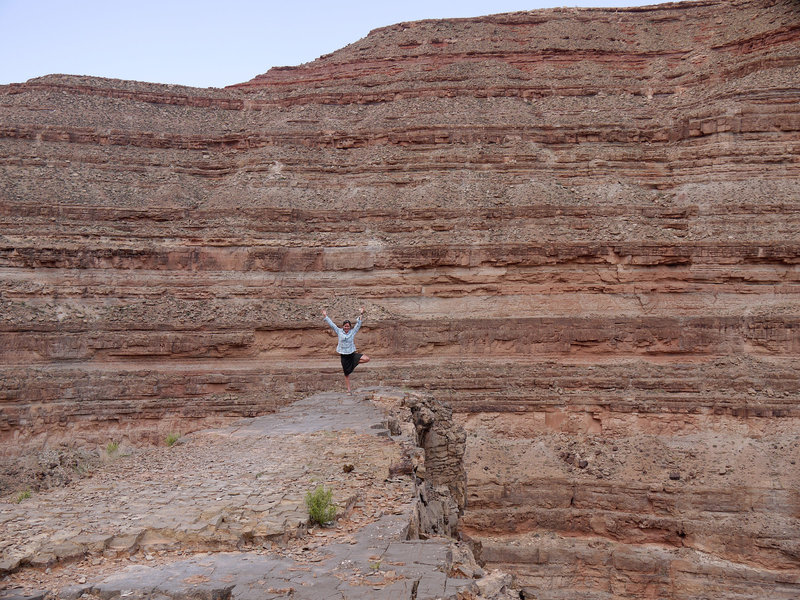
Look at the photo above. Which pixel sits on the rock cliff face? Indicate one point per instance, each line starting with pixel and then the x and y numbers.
pixel 578 226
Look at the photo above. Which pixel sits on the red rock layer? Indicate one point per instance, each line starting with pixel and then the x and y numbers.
pixel 578 226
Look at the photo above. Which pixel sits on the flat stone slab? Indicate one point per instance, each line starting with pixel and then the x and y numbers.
pixel 217 489
pixel 380 564
pixel 21 594
pixel 221 515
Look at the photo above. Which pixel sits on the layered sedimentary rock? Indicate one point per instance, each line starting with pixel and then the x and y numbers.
pixel 578 226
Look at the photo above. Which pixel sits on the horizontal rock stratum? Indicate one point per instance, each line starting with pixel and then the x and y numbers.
pixel 580 227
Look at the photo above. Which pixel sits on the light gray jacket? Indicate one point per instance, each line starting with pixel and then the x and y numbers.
pixel 346 345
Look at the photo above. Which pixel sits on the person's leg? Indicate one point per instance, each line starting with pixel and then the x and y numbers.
pixel 347 367
pixel 364 359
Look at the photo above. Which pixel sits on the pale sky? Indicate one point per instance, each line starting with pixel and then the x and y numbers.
pixel 206 43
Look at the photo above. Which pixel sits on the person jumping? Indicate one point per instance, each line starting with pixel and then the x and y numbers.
pixel 347 345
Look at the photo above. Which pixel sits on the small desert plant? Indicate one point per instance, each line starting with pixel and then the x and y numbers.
pixel 83 468
pixel 22 496
pixel 112 447
pixel 172 438
pixel 321 508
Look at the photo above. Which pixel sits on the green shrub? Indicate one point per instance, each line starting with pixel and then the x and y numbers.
pixel 112 447
pixel 172 438
pixel 22 496
pixel 321 508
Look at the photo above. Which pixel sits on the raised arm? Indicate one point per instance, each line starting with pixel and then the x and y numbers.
pixel 330 323
pixel 358 321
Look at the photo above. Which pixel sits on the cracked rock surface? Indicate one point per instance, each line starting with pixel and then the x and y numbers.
pixel 221 515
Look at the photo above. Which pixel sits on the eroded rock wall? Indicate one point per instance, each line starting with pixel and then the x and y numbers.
pixel 578 226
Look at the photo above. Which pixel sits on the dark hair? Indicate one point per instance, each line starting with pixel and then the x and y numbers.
pixel 348 322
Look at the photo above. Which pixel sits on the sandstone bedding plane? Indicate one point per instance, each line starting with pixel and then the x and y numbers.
pixel 579 227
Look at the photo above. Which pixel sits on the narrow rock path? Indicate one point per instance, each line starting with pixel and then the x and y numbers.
pixel 221 514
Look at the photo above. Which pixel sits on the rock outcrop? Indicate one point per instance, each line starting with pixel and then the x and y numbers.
pixel 437 464
pixel 236 526
pixel 578 226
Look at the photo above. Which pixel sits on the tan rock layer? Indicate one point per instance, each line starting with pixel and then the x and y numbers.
pixel 287 259
pixel 609 398
pixel 512 338
pixel 596 568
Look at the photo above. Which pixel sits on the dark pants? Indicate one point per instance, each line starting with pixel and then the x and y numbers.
pixel 349 362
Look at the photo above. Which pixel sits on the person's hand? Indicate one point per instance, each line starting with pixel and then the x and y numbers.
pixel 361 310
pixel 324 313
